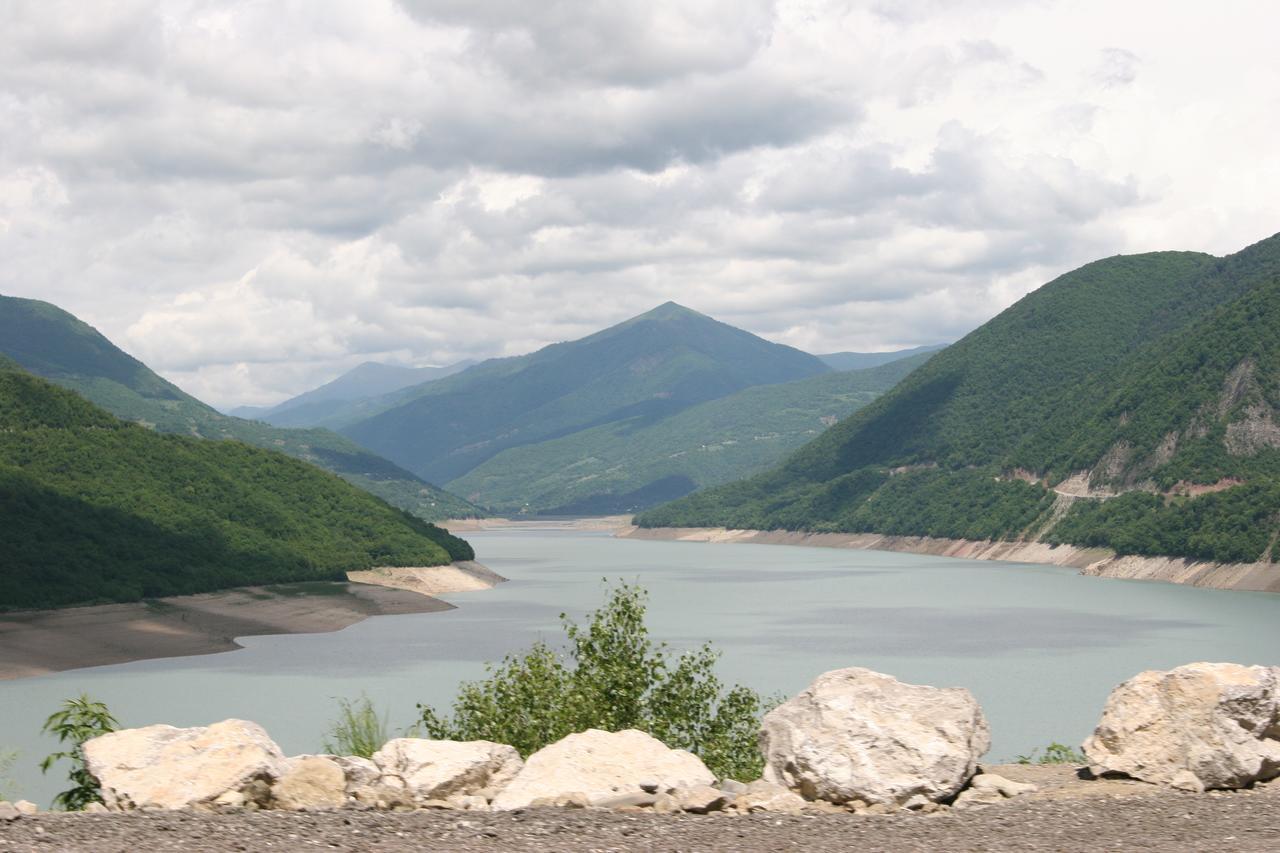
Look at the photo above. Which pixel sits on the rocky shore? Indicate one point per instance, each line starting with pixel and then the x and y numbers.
pixel 1100 562
pixel 37 642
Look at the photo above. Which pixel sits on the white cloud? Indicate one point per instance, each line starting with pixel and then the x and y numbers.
pixel 252 197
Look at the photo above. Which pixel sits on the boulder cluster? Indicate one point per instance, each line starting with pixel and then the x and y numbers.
pixel 854 740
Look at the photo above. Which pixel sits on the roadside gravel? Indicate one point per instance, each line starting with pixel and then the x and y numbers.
pixel 1244 821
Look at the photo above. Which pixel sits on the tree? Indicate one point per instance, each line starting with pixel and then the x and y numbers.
pixel 613 677
pixel 79 720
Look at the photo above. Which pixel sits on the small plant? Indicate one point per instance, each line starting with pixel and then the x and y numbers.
pixel 613 677
pixel 7 757
pixel 358 730
pixel 1054 753
pixel 78 720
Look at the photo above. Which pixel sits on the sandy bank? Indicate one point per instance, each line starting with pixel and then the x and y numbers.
pixel 1100 562
pixel 600 522
pixel 37 642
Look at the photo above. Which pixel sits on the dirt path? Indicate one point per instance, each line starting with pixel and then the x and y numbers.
pixel 1243 821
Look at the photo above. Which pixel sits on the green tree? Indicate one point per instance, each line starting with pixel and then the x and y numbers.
pixel 78 720
pixel 613 677
pixel 358 730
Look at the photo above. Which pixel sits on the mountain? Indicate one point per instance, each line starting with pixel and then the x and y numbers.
pixel 96 509
pixel 367 380
pixel 647 368
pixel 632 464
pixel 1132 404
pixel 52 343
pixel 863 360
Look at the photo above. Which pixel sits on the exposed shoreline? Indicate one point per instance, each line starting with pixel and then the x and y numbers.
pixel 39 642
pixel 1098 562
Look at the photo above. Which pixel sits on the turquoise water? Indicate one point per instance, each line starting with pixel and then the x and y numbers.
pixel 1038 645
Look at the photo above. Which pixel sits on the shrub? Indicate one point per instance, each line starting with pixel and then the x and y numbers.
pixel 1054 753
pixel 613 677
pixel 78 720
pixel 358 730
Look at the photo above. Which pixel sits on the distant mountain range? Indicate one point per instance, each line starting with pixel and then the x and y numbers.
pixel 863 360
pixel 1132 404
pixel 52 343
pixel 369 379
pixel 608 422
pixel 96 509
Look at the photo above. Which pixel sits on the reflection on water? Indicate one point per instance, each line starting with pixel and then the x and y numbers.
pixel 1040 646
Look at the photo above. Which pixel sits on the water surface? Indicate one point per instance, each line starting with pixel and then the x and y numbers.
pixel 1040 646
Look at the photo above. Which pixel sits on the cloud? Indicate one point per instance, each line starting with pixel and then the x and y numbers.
pixel 254 197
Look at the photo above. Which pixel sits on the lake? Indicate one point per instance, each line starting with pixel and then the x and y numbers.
pixel 1040 646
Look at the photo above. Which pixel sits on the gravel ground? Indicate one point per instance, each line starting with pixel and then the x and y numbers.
pixel 1171 821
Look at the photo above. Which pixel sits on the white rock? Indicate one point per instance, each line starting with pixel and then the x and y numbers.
pixel 359 772
pixel 162 767
pixel 1202 725
pixel 1005 787
pixel 310 782
pixel 439 769
pixel 26 807
pixel 858 734
pixel 8 811
pixel 601 764
pixel 701 799
pixel 763 796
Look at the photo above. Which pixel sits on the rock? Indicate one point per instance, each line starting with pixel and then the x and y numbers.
pixel 665 804
pixel 382 797
pixel 8 811
pixel 96 808
pixel 701 799
pixel 855 733
pixel 359 772
pixel 601 764
pixel 763 796
pixel 633 800
pixel 162 767
pixel 470 802
pixel 972 798
pixel 439 769
pixel 732 786
pixel 26 807
pixel 310 782
pixel 1006 787
pixel 1199 726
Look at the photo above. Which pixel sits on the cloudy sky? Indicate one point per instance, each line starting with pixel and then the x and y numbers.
pixel 254 196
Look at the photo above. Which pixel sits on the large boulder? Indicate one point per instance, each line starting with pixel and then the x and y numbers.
pixel 602 765
pixel 1202 725
pixel 162 767
pixel 310 782
pixel 440 769
pixel 855 734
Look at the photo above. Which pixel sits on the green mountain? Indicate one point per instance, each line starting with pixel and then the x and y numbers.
pixel 635 463
pixel 1133 404
pixel 642 370
pixel 331 399
pixel 52 343
pixel 863 360
pixel 96 509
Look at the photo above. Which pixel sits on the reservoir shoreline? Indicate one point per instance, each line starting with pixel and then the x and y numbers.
pixel 39 642
pixel 1096 562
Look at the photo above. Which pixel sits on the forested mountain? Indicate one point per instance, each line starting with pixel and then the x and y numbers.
pixel 96 509
pixel 642 370
pixel 1133 403
pixel 329 401
pixel 635 463
pixel 863 360
pixel 54 344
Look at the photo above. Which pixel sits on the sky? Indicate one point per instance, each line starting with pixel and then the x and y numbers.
pixel 252 197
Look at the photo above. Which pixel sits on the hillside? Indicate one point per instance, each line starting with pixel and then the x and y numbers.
pixel 633 464
pixel 864 360
pixel 645 369
pixel 54 344
pixel 331 399
pixel 1152 377
pixel 96 509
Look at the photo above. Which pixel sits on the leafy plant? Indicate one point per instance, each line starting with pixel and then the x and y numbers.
pixel 358 730
pixel 1054 753
pixel 78 720
pixel 613 677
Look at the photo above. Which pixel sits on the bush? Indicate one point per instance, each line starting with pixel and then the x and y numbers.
pixel 613 677
pixel 358 730
pixel 1054 753
pixel 79 720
